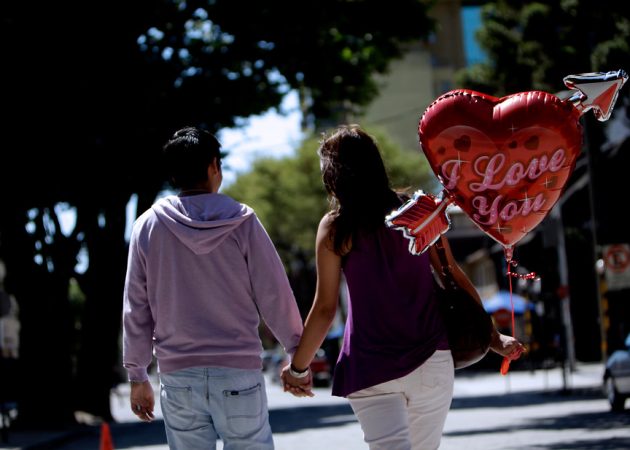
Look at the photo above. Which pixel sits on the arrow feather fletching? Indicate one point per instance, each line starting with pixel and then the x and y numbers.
pixel 422 220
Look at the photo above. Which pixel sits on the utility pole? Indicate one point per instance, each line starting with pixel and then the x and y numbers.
pixel 565 298
pixel 603 319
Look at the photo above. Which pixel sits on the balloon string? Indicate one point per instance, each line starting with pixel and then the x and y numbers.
pixel 505 365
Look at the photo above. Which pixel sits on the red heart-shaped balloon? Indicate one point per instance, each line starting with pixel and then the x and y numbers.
pixel 504 161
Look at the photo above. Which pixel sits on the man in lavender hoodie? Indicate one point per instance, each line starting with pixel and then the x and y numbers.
pixel 201 273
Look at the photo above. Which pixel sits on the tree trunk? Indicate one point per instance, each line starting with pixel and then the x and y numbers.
pixel 99 367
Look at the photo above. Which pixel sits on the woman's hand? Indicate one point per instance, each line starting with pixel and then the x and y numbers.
pixel 506 346
pixel 299 387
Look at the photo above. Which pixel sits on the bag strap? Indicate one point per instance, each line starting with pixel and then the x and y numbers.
pixel 448 281
pixel 445 268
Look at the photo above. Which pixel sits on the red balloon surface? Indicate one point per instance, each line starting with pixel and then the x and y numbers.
pixel 504 161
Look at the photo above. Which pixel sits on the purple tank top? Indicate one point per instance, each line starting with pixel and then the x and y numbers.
pixel 393 323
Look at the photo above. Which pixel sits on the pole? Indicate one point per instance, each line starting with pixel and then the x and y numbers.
pixel 596 249
pixel 565 299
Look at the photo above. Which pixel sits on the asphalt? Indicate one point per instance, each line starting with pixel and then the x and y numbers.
pixel 323 409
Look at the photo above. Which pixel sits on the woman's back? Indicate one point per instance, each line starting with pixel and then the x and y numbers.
pixel 393 322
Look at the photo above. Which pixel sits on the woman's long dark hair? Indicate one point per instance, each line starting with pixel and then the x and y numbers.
pixel 354 175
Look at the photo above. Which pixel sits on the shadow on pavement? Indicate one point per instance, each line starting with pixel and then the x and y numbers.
pixel 512 400
pixel 138 434
pixel 287 420
pixel 588 421
pixel 606 444
pixel 124 435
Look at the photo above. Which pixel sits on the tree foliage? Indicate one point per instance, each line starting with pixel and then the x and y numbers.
pixel 89 101
pixel 329 50
pixel 533 45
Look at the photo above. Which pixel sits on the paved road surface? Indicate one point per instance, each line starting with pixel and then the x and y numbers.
pixel 523 411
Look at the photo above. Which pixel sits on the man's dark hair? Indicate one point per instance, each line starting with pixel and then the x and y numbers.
pixel 187 155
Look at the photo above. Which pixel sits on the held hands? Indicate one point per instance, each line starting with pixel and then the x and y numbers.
pixel 299 387
pixel 506 346
pixel 142 400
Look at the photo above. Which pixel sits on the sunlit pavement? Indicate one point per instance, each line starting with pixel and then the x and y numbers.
pixel 523 410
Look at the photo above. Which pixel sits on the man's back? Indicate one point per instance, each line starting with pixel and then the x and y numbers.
pixel 205 268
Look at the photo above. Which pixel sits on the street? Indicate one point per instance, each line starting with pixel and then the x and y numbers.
pixel 522 411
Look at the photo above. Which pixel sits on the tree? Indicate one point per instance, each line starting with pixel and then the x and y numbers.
pixel 325 52
pixel 289 198
pixel 533 45
pixel 88 104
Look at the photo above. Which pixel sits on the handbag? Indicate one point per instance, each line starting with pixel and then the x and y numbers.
pixel 468 325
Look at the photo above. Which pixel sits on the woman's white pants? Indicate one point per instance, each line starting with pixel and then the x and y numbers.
pixel 407 413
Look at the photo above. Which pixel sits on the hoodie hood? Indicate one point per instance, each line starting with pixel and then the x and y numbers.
pixel 201 222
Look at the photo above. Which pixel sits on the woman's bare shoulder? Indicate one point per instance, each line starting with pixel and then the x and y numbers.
pixel 327 221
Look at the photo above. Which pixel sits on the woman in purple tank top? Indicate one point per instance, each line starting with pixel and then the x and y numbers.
pixel 395 366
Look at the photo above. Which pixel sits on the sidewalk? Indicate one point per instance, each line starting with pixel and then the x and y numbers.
pixel 585 376
pixel 333 410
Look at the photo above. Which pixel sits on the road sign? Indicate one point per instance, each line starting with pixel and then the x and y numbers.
pixel 617 263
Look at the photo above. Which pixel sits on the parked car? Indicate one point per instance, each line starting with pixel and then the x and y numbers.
pixel 617 377
pixel 320 368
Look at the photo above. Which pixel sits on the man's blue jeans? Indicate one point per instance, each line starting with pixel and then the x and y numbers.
pixel 202 404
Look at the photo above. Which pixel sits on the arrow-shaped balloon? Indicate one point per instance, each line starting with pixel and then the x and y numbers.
pixel 422 219
pixel 597 91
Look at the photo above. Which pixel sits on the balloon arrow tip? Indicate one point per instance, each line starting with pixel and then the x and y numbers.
pixel 596 90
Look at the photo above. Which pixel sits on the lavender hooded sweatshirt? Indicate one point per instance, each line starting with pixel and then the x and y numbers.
pixel 201 272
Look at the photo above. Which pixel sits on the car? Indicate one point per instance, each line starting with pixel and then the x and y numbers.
pixel 320 368
pixel 617 377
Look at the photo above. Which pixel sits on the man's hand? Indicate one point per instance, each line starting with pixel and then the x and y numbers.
pixel 506 346
pixel 300 387
pixel 142 400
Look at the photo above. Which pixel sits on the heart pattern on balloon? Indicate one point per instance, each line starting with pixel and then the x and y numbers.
pixel 504 161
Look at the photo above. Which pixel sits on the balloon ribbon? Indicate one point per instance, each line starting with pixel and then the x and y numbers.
pixel 505 365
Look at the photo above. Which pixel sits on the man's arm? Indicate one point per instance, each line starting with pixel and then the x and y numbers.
pixel 272 291
pixel 137 332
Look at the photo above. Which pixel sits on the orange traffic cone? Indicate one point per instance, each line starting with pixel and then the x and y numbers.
pixel 106 437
